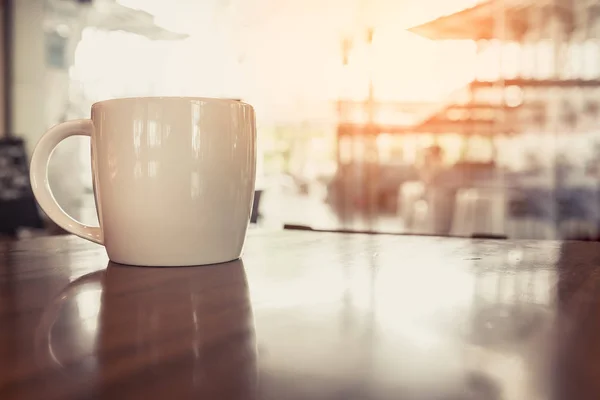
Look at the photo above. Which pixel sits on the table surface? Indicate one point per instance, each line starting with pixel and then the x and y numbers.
pixel 304 315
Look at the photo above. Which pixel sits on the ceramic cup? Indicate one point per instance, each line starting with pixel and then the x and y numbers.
pixel 173 178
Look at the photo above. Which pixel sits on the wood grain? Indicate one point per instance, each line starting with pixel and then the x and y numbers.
pixel 304 315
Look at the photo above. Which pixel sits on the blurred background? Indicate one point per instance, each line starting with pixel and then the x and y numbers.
pixel 437 117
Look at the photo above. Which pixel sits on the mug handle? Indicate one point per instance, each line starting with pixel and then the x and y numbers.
pixel 41 186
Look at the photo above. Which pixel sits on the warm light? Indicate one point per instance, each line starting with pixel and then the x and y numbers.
pixel 392 117
pixel 268 57
pixel 513 96
pixel 358 116
pixel 384 141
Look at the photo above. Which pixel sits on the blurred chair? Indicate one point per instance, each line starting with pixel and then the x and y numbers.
pixel 577 213
pixel 409 194
pixel 440 201
pixel 531 213
pixel 479 212
pixel 530 228
pixel 421 218
pixel 426 210
pixel 430 213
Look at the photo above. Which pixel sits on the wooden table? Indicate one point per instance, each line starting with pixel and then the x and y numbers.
pixel 305 315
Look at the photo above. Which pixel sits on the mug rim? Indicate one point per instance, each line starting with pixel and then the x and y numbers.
pixel 184 98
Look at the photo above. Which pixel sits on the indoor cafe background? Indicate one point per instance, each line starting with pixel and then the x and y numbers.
pixel 452 117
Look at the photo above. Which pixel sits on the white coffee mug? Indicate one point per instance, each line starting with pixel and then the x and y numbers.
pixel 173 178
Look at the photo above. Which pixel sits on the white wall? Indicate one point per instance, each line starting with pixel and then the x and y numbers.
pixel 40 94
